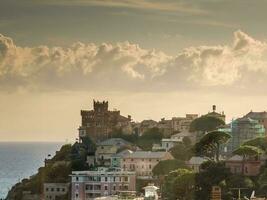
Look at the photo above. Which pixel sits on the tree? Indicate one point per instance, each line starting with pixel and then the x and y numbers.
pixel 166 166
pixel 211 173
pixel 247 151
pixel 181 151
pixel 209 144
pixel 205 124
pixel 260 142
pixel 179 185
pixel 151 136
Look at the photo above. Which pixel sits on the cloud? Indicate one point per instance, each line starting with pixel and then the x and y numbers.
pixel 133 4
pixel 126 66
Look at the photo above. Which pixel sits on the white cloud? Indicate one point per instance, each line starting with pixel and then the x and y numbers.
pixel 126 66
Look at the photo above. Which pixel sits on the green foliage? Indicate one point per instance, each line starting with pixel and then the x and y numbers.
pixel 260 142
pixel 239 181
pixel 181 151
pixel 166 166
pixel 118 133
pixel 63 153
pixel 212 173
pixel 246 150
pixel 58 173
pixel 179 185
pixel 209 144
pixel 205 124
pixel 151 136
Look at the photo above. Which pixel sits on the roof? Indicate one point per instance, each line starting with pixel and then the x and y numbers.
pixel 235 158
pixel 119 142
pixel 147 154
pixel 257 115
pixel 195 160
pixel 123 153
pixel 151 187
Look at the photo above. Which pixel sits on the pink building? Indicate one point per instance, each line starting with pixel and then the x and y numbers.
pixel 86 185
pixel 143 162
pixel 249 167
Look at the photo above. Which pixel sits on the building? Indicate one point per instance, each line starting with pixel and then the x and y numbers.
pixel 180 136
pixel 249 167
pixel 151 192
pixel 195 162
pixel 145 125
pixel 100 122
pixel 143 162
pixel 242 130
pixel 216 114
pixel 168 143
pixel 86 185
pixel 109 147
pixel 261 117
pixel 117 158
pixel 53 191
pixel 180 124
pixel 165 126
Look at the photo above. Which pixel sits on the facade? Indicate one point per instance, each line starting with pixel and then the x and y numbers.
pixel 100 122
pixel 145 125
pixel 195 162
pixel 54 190
pixel 107 148
pixel 261 117
pixel 151 192
pixel 242 130
pixel 250 167
pixel 165 126
pixel 143 162
pixel 117 158
pixel 168 143
pixel 181 124
pixel 87 185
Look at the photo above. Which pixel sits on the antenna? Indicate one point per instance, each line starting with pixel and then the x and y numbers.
pixel 239 191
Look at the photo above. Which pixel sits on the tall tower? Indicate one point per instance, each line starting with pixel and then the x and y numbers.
pixel 100 106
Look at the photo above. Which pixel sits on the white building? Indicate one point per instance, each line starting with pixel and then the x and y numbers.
pixel 151 191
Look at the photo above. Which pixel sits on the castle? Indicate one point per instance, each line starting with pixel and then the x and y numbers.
pixel 100 122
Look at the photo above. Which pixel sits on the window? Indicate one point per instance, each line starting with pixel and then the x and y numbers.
pixel 58 189
pixel 126 178
pixel 150 167
pixel 106 179
pixel 76 195
pixel 63 189
pixel 106 187
pixel 114 187
pixel 52 189
pixel 77 178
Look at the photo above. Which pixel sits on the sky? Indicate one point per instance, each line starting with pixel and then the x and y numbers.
pixel 149 58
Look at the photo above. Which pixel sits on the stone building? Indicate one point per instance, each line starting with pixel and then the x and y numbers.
pixel 261 117
pixel 87 185
pixel 100 122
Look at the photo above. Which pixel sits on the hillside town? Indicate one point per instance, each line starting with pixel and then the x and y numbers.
pixel 185 157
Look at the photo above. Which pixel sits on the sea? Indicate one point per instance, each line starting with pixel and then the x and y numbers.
pixel 19 160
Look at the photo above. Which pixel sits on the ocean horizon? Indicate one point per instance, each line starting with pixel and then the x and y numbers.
pixel 19 160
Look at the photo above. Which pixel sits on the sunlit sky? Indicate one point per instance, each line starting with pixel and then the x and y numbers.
pixel 150 58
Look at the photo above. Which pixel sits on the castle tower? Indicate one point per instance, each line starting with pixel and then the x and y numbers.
pixel 100 106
